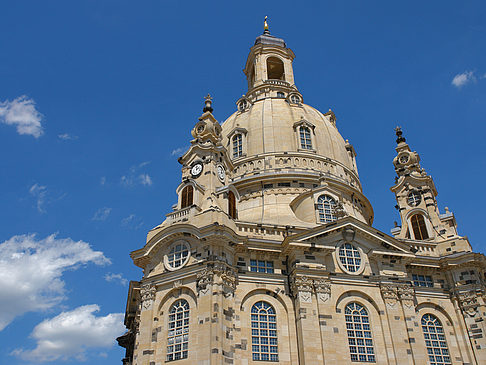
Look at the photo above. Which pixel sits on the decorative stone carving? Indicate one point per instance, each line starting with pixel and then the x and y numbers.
pixel 323 289
pixel 469 302
pixel 338 210
pixel 302 287
pixel 389 294
pixel 406 293
pixel 227 274
pixel 348 234
pixel 204 280
pixel 147 295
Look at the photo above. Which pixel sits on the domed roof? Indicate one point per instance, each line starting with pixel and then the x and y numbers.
pixel 272 126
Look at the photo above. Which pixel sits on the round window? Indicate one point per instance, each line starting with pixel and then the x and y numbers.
pixel 242 105
pixel 414 198
pixel 295 99
pixel 178 255
pixel 349 258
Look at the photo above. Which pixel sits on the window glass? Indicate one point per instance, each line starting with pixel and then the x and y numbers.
pixel 358 329
pixel 237 145
pixel 418 226
pixel 422 280
pixel 261 266
pixel 350 257
pixel 178 331
pixel 414 198
pixel 178 255
pixel 325 207
pixel 435 340
pixel 187 196
pixel 264 345
pixel 305 138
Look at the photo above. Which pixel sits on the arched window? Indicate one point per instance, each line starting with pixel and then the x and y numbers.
pixel 418 226
pixel 187 196
pixel 325 206
pixel 359 333
pixel 275 69
pixel 305 138
pixel 280 94
pixel 435 340
pixel 237 145
pixel 231 205
pixel 264 332
pixel 178 334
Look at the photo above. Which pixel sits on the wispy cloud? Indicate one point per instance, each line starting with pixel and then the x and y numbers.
pixel 67 137
pixel 145 179
pixel 111 277
pixel 132 222
pixel 101 214
pixel 136 176
pixel 70 334
pixel 463 79
pixel 31 272
pixel 103 180
pixel 21 112
pixel 178 151
pixel 39 192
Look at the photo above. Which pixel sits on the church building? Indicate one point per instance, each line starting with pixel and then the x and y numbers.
pixel 270 255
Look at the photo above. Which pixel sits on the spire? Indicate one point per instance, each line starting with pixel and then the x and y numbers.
pixel 398 132
pixel 207 104
pixel 265 26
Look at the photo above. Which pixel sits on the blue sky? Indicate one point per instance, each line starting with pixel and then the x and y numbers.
pixel 97 100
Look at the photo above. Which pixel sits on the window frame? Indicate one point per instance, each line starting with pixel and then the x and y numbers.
pixel 422 281
pixel 419 226
pixel 261 266
pixel 438 329
pixel 171 354
pixel 264 332
pixel 305 138
pixel 333 217
pixel 359 333
pixel 187 196
pixel 184 261
pixel 237 145
pixel 354 248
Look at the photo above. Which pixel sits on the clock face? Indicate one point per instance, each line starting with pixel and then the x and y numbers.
pixel 196 169
pixel 221 173
pixel 403 159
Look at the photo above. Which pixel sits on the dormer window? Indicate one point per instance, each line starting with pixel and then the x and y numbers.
pixel 325 207
pixel 295 99
pixel 419 227
pixel 237 145
pixel 280 94
pixel 187 196
pixel 305 138
pixel 242 105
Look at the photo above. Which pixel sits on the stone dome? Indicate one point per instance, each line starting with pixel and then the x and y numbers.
pixel 271 125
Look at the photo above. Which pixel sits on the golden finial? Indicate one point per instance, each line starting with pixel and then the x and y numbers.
pixel 265 25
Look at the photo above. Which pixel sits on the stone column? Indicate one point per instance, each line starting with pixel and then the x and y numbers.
pixel 414 336
pixel 391 320
pixel 143 352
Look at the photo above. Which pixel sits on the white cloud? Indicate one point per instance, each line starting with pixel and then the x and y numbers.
pixel 145 179
pixel 101 214
pixel 464 78
pixel 70 334
pixel 103 180
pixel 67 136
pixel 21 113
pixel 178 151
pixel 134 177
pixel 111 277
pixel 39 192
pixel 132 222
pixel 31 271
